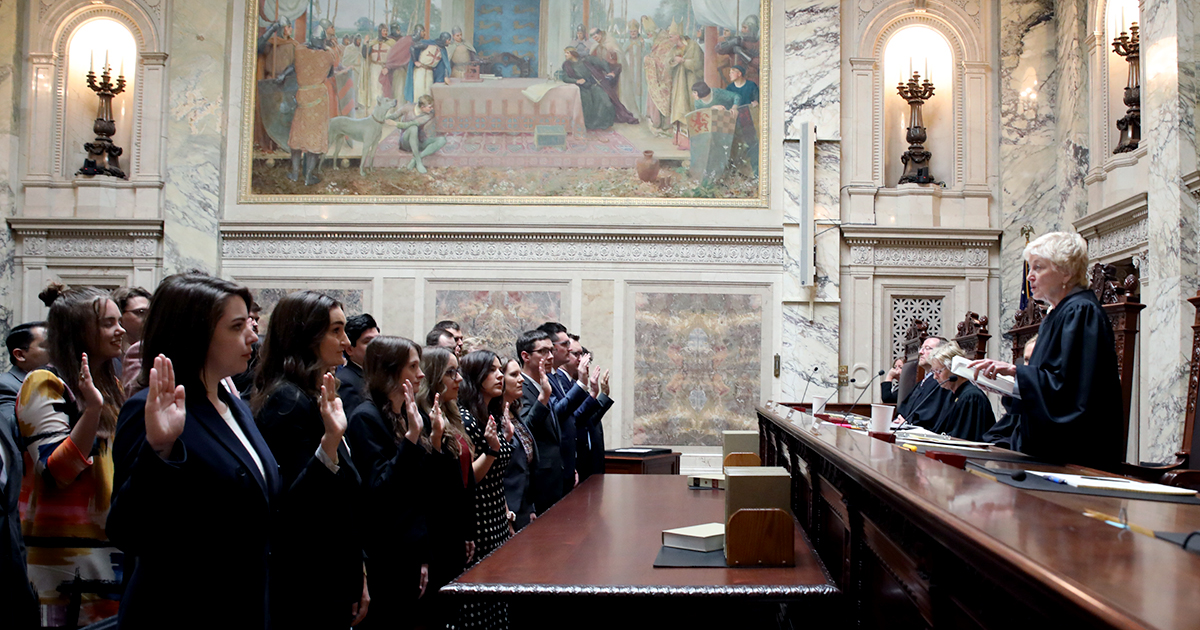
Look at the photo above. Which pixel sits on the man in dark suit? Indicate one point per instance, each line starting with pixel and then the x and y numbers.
pixel 589 445
pixel 27 352
pixel 533 349
pixel 924 405
pixel 569 371
pixel 360 329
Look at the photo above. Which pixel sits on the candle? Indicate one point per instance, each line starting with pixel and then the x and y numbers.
pixel 92 61
pixel 106 60
pixel 122 73
pixel 1122 19
pixel 910 66
pixel 927 68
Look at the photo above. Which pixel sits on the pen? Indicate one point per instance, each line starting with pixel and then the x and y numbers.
pixel 909 447
pixel 1055 479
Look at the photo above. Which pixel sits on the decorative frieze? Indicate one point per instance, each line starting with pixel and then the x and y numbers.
pixel 914 256
pixel 1120 239
pixel 504 248
pixel 87 238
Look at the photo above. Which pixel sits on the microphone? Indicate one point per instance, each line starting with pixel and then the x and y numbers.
pixel 807 383
pixel 953 378
pixel 860 394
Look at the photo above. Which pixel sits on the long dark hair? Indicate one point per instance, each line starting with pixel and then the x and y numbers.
pixel 385 358
pixel 514 407
pixel 184 313
pixel 72 328
pixel 433 363
pixel 475 367
pixel 289 354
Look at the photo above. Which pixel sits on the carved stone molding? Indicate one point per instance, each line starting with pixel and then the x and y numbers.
pixel 87 239
pixel 1123 238
pixel 351 245
pixel 943 257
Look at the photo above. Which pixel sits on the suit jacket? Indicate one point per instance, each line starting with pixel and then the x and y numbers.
pixel 518 476
pixel 560 384
pixel 547 432
pixel 16 595
pixel 887 393
pixel 318 508
pixel 353 389
pixel 10 386
pixel 203 517
pixel 590 457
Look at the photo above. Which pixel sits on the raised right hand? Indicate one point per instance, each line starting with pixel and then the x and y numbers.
pixel 544 398
pixel 594 384
pixel 87 389
pixel 489 434
pixel 166 411
pixel 415 423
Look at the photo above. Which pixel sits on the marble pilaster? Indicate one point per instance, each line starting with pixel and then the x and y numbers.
pixel 1168 124
pixel 11 44
pixel 1028 139
pixel 196 121
pixel 1071 108
pixel 810 351
pixel 812 51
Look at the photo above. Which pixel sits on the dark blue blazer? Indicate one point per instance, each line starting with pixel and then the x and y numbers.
pixel 519 474
pixel 16 595
pixel 547 432
pixel 196 526
pixel 352 390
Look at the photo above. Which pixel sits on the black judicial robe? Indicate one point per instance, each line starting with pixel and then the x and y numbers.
pixel 1070 390
pixel 924 405
pixel 967 414
pixel 1004 433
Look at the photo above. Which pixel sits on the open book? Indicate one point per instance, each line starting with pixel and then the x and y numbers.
pixel 1003 384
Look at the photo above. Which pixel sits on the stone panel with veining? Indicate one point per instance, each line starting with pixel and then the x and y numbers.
pixel 812 55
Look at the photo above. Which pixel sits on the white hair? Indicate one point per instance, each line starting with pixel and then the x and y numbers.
pixel 1066 251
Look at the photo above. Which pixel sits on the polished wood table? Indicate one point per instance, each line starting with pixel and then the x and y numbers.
pixel 590 558
pixel 916 543
pixel 617 463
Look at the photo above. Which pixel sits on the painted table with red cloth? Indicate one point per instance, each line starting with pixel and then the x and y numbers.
pixel 499 106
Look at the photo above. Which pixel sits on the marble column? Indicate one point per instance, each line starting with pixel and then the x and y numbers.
pixel 11 47
pixel 812 50
pixel 1168 130
pixel 195 121
pixel 1028 138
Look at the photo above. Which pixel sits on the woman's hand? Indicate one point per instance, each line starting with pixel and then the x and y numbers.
pixel 333 416
pixel 544 397
pixel 166 411
pixel 508 426
pixel 415 423
pixel 489 434
pixel 991 367
pixel 424 580
pixel 359 609
pixel 92 399
pixel 470 551
pixel 437 423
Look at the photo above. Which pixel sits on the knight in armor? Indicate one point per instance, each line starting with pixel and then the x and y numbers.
pixel 309 137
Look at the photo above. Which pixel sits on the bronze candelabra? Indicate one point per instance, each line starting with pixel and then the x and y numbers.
pixel 102 158
pixel 1127 45
pixel 916 158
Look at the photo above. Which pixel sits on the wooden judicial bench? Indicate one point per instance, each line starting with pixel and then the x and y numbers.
pixel 917 543
pixel 618 463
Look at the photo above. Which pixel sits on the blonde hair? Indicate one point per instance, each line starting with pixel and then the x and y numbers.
pixel 1066 251
pixel 946 352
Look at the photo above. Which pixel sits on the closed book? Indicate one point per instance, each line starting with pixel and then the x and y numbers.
pixel 715 480
pixel 739 442
pixel 706 537
pixel 757 487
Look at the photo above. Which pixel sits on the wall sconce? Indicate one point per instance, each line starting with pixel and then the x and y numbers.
pixel 102 158
pixel 916 158
pixel 1128 46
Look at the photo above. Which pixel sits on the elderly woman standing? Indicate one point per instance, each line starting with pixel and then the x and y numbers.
pixel 1070 390
pixel 967 413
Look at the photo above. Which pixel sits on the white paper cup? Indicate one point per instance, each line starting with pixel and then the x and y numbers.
pixel 881 417
pixel 819 404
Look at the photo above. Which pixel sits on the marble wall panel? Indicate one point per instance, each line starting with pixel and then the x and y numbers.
pixel 810 348
pixel 812 54
pixel 596 320
pixel 268 297
pixel 399 313
pixel 1072 107
pixel 1028 140
pixel 195 127
pixel 497 318
pixel 12 42
pixel 697 366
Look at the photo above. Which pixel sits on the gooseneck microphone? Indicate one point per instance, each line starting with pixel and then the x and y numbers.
pixel 868 386
pixel 807 383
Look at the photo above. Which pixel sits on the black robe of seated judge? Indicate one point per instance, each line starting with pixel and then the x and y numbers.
pixel 967 414
pixel 924 404
pixel 1071 390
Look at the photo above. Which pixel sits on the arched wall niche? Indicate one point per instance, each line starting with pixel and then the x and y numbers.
pixel 918 48
pixel 50 165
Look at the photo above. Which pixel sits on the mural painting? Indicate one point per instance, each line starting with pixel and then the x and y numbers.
pixel 529 101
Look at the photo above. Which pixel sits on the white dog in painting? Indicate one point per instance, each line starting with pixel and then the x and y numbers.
pixel 367 130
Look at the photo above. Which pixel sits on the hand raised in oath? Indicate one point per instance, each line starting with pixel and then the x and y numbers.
pixel 166 411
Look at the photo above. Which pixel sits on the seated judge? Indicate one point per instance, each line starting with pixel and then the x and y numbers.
pixel 1070 390
pixel 1003 433
pixel 967 413
pixel 890 385
pixel 924 403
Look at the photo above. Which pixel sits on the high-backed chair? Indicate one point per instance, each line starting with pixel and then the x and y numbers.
pixel 911 373
pixel 973 336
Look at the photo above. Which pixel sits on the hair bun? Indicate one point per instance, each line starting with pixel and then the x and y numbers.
pixel 52 292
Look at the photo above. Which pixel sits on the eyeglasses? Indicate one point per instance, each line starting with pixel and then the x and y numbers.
pixel 577 353
pixel 541 351
pixel 140 312
pixel 564 342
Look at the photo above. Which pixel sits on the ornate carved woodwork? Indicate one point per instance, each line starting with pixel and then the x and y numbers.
pixel 916 334
pixel 973 335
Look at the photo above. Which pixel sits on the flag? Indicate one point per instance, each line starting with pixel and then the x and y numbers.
pixel 1026 292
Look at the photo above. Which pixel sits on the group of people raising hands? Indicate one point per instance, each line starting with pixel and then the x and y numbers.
pixel 286 511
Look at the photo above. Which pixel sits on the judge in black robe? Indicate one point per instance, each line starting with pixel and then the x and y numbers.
pixel 1070 390
pixel 923 405
pixel 967 413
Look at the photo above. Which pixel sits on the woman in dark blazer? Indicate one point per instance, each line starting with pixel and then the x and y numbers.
pixel 319 578
pixel 524 457
pixel 195 484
